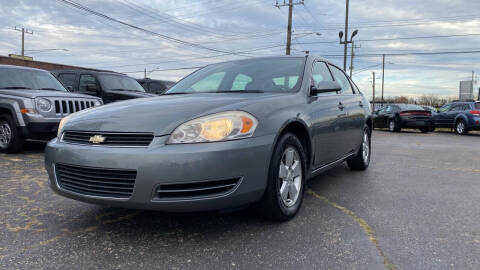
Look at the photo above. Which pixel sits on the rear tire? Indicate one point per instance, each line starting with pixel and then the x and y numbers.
pixel 461 127
pixel 393 125
pixel 425 129
pixel 286 175
pixel 361 160
pixel 11 139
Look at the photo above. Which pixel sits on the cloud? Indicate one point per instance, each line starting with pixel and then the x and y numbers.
pixel 253 24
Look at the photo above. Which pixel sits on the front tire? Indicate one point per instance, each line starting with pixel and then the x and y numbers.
pixel 11 140
pixel 286 180
pixel 361 161
pixel 461 127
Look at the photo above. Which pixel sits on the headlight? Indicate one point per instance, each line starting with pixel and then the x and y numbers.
pixel 43 105
pixel 216 127
pixel 62 123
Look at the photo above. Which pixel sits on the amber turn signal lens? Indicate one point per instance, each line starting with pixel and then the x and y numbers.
pixel 247 124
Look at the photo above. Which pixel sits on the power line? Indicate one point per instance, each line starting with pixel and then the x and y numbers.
pixel 101 15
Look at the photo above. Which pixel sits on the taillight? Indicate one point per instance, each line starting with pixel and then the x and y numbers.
pixel 475 112
pixel 405 113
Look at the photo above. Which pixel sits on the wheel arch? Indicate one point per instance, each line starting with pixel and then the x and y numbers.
pixel 301 130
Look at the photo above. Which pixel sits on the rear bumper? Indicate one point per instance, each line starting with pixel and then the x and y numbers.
pixel 415 123
pixel 159 164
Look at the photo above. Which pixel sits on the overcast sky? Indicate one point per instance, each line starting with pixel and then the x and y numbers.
pixel 191 33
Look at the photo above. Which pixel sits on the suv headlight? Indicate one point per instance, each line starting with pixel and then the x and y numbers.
pixel 43 105
pixel 222 126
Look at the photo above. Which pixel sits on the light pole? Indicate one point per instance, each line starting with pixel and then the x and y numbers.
pixel 346 42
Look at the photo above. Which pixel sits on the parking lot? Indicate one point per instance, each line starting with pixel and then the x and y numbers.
pixel 416 207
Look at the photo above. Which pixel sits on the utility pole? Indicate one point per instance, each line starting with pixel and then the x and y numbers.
pixel 383 75
pixel 24 31
pixel 290 5
pixel 373 87
pixel 346 36
pixel 145 73
pixel 352 56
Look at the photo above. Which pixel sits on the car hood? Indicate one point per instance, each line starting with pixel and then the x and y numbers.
pixel 28 93
pixel 160 115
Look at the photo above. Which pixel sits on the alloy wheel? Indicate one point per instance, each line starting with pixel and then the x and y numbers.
pixel 460 127
pixel 5 134
pixel 391 125
pixel 290 175
pixel 366 148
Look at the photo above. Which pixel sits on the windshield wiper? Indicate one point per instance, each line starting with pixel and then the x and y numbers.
pixel 16 87
pixel 49 88
pixel 236 91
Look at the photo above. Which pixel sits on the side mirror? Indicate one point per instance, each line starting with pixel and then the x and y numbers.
pixel 92 88
pixel 325 87
pixel 69 88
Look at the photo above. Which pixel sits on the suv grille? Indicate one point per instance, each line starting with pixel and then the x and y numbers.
pixel 65 107
pixel 96 181
pixel 110 138
pixel 197 189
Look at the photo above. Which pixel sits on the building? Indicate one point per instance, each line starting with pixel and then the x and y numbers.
pixel 18 61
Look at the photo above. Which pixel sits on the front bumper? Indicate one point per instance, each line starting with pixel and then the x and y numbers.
pixel 247 159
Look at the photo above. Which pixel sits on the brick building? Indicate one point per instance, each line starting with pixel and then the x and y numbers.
pixel 6 60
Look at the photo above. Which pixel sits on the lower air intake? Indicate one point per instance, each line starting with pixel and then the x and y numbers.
pixel 197 189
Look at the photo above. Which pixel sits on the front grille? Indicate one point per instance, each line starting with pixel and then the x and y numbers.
pixel 197 189
pixel 100 182
pixel 110 138
pixel 64 107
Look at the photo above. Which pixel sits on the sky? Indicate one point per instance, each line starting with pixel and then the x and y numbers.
pixel 169 38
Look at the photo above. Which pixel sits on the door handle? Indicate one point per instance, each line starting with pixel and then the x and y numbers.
pixel 340 106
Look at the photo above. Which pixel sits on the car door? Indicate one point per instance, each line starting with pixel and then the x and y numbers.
pixel 353 118
pixel 379 118
pixel 440 118
pixel 324 113
pixel 86 79
pixel 452 113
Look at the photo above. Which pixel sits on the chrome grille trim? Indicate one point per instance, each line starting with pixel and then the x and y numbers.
pixel 112 139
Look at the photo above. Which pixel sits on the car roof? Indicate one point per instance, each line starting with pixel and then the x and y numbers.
pixel 21 67
pixel 86 71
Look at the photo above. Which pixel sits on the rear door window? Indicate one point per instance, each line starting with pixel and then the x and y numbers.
pixel 342 79
pixel 86 79
pixel 67 79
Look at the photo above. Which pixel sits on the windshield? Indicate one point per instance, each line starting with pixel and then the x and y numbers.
pixel 19 78
pixel 257 75
pixel 119 82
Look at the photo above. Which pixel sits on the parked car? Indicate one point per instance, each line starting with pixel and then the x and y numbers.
pixel 429 108
pixel 155 86
pixel 32 103
pixel 109 86
pixel 398 116
pixel 462 116
pixel 228 135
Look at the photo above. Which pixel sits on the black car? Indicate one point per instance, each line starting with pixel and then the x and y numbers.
pixel 155 86
pixel 463 116
pixel 109 86
pixel 398 116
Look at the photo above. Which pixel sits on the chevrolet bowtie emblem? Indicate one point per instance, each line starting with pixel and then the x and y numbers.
pixel 97 139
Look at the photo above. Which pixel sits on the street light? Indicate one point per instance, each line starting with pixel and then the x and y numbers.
pixel 340 35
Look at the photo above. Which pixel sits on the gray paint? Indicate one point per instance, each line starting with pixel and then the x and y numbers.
pixel 335 135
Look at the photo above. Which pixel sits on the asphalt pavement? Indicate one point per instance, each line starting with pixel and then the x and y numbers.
pixel 416 207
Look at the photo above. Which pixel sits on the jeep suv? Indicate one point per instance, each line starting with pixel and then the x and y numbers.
pixel 462 116
pixel 109 86
pixel 32 103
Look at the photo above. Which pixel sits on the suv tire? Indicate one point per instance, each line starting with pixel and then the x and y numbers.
pixel 11 139
pixel 461 127
pixel 290 154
